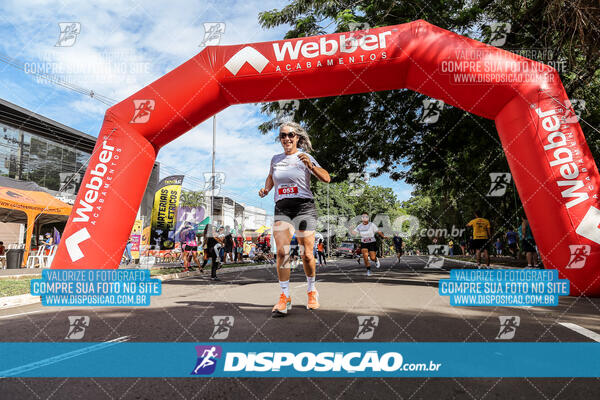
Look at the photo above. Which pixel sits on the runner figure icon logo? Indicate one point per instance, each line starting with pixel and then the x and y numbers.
pixel 207 359
pixel 223 324
pixel 575 108
pixel 438 249
pixel 500 182
pixel 498 33
pixel 77 327
pixel 508 327
pixel 143 108
pixel 579 253
pixel 366 327
pixel 431 111
pixel 68 33
pixel 212 33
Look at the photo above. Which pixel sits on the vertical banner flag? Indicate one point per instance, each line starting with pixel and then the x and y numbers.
pixel 136 237
pixel 164 212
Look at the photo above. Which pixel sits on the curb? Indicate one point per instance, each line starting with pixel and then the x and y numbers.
pixel 180 275
pixel 27 299
pixel 18 300
pixel 20 276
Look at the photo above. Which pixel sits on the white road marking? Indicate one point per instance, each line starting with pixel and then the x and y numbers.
pixel 16 315
pixel 582 331
pixel 61 357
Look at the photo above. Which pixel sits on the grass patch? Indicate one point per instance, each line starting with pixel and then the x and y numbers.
pixel 13 287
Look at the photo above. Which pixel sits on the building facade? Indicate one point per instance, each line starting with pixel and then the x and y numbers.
pixel 52 155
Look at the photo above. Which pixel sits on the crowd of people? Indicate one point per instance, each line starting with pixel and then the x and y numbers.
pixel 219 246
pixel 482 243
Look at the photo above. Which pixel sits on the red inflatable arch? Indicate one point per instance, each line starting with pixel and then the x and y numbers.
pixel 550 161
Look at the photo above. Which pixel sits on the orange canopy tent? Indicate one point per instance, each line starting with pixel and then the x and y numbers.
pixel 36 205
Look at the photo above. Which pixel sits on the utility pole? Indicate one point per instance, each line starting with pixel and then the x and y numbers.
pixel 328 234
pixel 212 177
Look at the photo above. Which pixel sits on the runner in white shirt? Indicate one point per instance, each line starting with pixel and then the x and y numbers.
pixel 368 243
pixel 294 209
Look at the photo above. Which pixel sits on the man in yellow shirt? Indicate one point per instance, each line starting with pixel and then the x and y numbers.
pixel 481 236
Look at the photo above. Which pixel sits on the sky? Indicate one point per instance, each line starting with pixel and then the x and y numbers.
pixel 123 46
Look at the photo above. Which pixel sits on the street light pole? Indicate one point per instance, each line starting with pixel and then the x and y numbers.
pixel 328 234
pixel 212 177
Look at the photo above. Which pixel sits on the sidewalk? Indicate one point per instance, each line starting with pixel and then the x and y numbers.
pixel 26 299
pixel 19 273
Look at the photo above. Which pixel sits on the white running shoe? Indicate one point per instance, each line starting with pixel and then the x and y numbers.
pixel 368 272
pixel 377 263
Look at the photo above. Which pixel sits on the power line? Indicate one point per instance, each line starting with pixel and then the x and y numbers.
pixel 57 81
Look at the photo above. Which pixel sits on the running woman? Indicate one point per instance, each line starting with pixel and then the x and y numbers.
pixel 368 243
pixel 190 246
pixel 294 209
pixel 398 246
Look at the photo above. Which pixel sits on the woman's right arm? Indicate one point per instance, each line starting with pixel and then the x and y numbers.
pixel 268 186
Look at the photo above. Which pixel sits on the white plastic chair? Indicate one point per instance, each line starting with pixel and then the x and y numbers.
pixel 47 259
pixel 38 256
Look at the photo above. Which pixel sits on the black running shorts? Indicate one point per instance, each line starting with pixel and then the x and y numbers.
pixel 371 246
pixel 480 244
pixel 299 212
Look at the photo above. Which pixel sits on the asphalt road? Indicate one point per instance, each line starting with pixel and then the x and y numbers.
pixel 403 295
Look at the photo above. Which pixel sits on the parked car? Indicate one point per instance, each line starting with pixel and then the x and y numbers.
pixel 345 249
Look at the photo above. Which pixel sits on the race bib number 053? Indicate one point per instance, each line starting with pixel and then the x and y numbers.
pixel 287 189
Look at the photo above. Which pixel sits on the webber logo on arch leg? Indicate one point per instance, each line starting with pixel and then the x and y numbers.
pixel 246 55
pixel 589 225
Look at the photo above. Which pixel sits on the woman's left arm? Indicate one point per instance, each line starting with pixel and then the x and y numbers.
pixel 319 172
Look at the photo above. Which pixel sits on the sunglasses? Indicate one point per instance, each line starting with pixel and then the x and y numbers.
pixel 290 135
